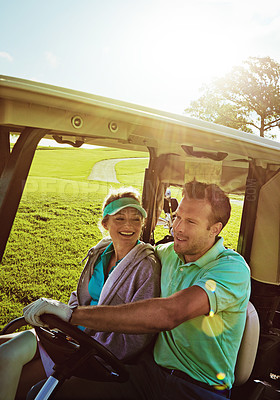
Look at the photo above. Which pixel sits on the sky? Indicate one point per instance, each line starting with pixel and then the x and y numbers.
pixel 155 53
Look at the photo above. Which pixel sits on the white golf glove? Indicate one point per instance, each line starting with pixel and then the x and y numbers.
pixel 41 306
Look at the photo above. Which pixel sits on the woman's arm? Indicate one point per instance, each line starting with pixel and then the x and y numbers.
pixel 73 301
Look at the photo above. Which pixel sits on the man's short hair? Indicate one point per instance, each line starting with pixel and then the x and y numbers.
pixel 218 200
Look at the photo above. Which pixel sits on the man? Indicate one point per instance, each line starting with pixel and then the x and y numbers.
pixel 200 315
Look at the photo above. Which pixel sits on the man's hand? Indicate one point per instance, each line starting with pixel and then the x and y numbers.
pixel 41 306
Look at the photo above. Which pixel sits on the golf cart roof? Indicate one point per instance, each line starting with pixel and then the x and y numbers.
pixel 80 117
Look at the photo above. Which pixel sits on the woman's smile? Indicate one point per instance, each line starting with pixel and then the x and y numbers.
pixel 127 233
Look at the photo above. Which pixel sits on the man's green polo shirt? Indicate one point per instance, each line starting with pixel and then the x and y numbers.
pixel 205 347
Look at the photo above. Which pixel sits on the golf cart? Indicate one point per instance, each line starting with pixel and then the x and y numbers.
pixel 180 149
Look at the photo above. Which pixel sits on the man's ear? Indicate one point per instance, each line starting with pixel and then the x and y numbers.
pixel 216 228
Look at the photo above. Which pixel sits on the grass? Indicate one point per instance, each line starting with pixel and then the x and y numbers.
pixel 50 236
pixel 64 164
pixel 132 172
pixel 65 171
pixel 57 222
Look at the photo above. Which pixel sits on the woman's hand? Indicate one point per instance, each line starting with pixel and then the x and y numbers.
pixel 41 306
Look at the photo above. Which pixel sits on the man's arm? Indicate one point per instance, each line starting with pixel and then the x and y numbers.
pixel 147 316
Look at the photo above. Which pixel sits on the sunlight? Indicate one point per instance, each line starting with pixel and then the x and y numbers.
pixel 213 325
pixel 182 49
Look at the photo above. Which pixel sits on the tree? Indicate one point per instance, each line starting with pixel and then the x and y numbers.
pixel 247 98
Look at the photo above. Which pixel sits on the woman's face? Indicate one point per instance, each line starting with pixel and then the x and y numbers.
pixel 125 226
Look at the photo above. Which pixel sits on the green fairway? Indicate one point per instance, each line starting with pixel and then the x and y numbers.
pixel 61 171
pixel 58 221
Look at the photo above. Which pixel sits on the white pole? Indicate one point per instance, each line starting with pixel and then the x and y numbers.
pixel 47 389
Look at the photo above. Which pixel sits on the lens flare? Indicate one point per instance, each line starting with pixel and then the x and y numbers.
pixel 211 285
pixel 213 325
pixel 220 387
pixel 221 376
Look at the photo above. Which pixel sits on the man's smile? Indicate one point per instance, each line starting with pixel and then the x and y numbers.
pixel 180 239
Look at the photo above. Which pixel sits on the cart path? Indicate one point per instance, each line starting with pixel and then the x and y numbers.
pixel 105 171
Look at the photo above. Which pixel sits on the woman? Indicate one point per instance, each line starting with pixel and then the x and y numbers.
pixel 119 269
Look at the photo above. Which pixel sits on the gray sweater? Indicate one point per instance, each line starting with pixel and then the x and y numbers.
pixel 136 277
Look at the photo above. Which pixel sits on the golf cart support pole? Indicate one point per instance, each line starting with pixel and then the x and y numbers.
pixel 4 147
pixel 152 195
pixel 256 178
pixel 14 170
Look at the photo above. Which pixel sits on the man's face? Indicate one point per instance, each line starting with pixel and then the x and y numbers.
pixel 193 235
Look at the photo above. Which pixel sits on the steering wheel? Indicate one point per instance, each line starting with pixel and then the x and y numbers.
pixel 75 353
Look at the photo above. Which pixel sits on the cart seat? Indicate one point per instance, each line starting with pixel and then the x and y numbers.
pixel 248 348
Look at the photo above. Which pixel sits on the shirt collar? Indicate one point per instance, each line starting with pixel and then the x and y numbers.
pixel 106 255
pixel 110 249
pixel 211 254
